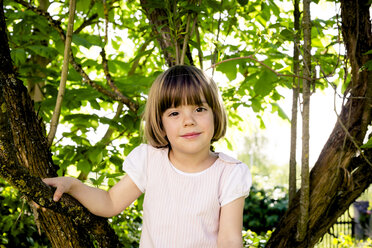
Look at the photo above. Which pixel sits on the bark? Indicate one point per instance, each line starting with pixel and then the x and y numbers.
pixel 25 158
pixel 339 176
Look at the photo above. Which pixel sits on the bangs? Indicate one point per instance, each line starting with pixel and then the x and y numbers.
pixel 183 88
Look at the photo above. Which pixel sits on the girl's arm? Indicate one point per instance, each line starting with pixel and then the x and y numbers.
pixel 97 201
pixel 231 224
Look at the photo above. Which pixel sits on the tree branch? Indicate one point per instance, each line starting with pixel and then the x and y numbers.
pixel 34 189
pixel 62 85
pixel 251 57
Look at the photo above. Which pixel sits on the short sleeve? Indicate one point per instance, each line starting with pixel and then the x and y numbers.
pixel 237 185
pixel 135 166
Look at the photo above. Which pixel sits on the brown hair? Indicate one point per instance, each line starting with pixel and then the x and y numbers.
pixel 181 85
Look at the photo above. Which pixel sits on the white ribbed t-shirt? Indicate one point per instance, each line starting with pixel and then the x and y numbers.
pixel 182 209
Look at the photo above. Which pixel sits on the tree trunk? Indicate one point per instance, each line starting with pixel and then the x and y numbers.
pixel 174 45
pixel 339 176
pixel 295 92
pixel 305 184
pixel 158 18
pixel 25 158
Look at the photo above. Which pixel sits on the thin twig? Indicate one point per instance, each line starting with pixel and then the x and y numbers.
pixel 214 54
pixel 251 57
pixel 105 11
pixel 185 40
pixel 200 52
pixel 111 83
pixel 62 85
pixel 187 36
pixel 136 61
pixel 110 130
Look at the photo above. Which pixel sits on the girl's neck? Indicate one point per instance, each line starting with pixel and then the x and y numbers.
pixel 194 163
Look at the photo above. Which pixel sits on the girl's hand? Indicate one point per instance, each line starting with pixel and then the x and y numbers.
pixel 62 185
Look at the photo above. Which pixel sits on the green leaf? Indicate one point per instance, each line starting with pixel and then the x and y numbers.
pixel 229 69
pixel 262 123
pixel 81 41
pixel 261 20
pixel 95 40
pixel 367 145
pixel 94 104
pixel 73 75
pixel 256 105
pixel 128 121
pixel 18 56
pixel 82 5
pixel 44 51
pixel 265 84
pixel 95 155
pixel 368 65
pixel 280 111
pixel 98 181
pixel 229 145
pixel 84 166
pixel 287 34
pixel 117 161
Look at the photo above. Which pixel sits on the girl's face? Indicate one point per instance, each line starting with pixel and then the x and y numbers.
pixel 189 128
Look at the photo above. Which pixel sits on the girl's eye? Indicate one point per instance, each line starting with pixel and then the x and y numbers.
pixel 201 109
pixel 172 114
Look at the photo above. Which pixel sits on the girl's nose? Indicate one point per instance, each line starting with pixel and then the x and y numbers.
pixel 188 120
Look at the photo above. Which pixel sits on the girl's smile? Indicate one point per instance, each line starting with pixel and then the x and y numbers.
pixel 191 135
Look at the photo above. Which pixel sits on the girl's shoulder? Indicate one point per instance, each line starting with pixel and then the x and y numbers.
pixel 232 165
pixel 227 158
pixel 146 148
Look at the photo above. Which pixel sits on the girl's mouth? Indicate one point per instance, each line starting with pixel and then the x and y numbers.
pixel 190 135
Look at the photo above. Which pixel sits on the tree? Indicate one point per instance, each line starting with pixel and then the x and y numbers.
pixel 340 171
pixel 169 33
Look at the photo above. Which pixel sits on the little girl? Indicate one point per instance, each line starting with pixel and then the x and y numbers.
pixel 194 197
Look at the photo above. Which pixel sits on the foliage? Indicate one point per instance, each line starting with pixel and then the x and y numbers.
pixel 17 224
pixel 255 36
pixel 257 155
pixel 345 241
pixel 252 239
pixel 264 208
pixel 87 113
pixel 128 224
